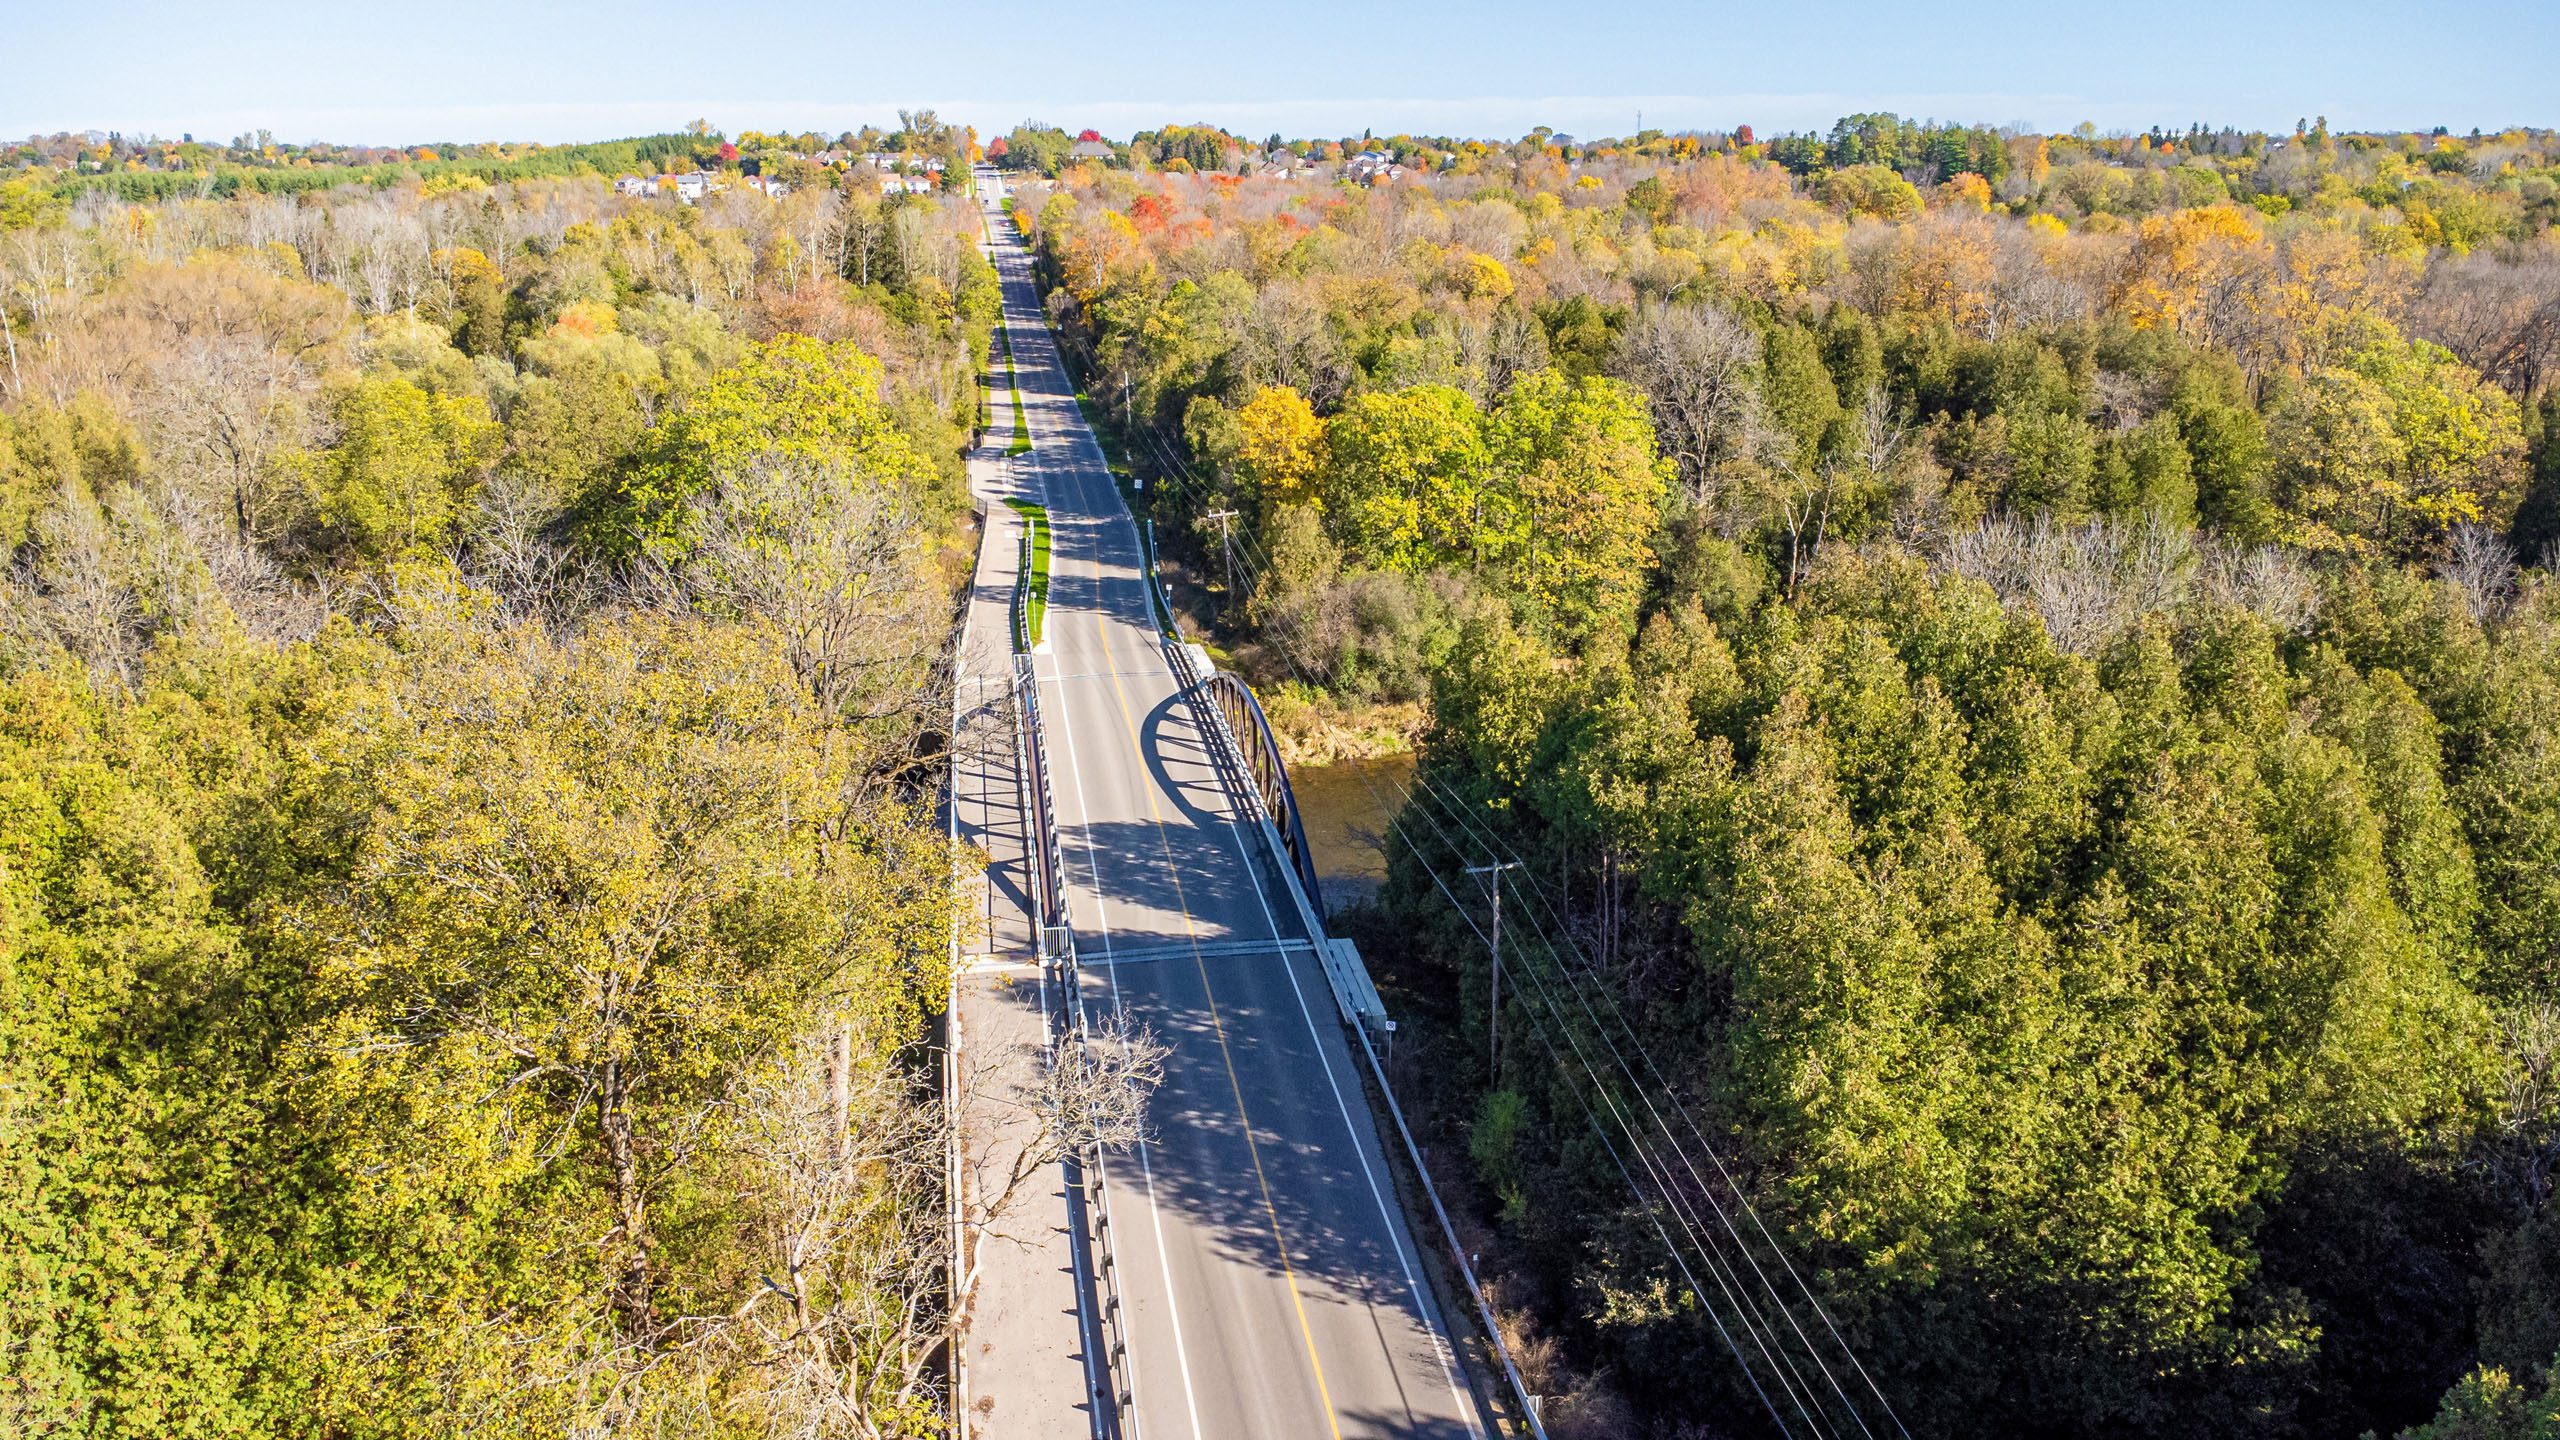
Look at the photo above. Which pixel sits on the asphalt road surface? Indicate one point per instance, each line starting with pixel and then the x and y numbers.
pixel 1269 1282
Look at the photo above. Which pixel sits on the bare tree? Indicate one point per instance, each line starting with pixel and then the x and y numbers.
pixel 841 566
pixel 2525 1153
pixel 814 220
pixel 1289 340
pixel 2481 567
pixel 1697 365
pixel 512 554
pixel 2087 583
pixel 76 592
pixel 225 407
pixel 2499 311
pixel 2268 582
pixel 848 1164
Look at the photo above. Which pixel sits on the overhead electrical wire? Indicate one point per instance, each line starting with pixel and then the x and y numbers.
pixel 1802 1393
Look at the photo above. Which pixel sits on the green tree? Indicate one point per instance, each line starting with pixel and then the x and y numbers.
pixel 2537 522
pixel 2145 472
pixel 2487 1405
pixel 2226 452
pixel 594 885
pixel 2510 799
pixel 126 1131
pixel 403 464
pixel 1577 458
pixel 581 413
pixel 792 398
pixel 1871 190
pixel 1798 391
pixel 1652 199
pixel 1407 483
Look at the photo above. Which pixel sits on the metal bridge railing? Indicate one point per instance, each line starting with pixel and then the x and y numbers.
pixel 1054 938
pixel 1048 871
pixel 1361 1008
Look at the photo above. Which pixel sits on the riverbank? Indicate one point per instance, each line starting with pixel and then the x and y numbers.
pixel 1313 728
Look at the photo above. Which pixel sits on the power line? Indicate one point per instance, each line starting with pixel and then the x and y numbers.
pixel 1493 1013
pixel 1756 1324
pixel 1747 1314
pixel 1180 478
pixel 1459 815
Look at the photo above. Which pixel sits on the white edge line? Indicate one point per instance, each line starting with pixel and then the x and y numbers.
pixel 1102 921
pixel 1423 1308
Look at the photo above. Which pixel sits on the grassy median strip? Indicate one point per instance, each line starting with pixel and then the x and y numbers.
pixel 1038 602
pixel 1021 427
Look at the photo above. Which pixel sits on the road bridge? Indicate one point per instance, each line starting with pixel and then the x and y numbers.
pixel 1267 1283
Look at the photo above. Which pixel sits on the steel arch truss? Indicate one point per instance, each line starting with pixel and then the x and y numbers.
pixel 1270 777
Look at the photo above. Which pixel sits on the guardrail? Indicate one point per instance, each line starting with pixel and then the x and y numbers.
pixel 1095 1176
pixel 1362 1010
pixel 1160 598
pixel 1054 938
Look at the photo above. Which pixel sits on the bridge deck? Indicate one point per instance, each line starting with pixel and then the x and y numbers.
pixel 1270 1284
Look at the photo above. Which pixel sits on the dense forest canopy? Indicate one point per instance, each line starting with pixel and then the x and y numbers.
pixel 43 172
pixel 470 895
pixel 2022 673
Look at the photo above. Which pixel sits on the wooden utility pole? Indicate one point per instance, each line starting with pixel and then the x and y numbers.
pixel 1493 1010
pixel 1226 542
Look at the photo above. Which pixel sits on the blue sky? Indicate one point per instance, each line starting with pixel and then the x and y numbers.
pixel 477 70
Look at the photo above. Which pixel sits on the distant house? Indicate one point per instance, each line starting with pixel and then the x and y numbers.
pixel 635 186
pixel 688 187
pixel 768 187
pixel 1370 166
pixel 1090 150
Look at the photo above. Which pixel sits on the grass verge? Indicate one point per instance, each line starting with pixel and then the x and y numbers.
pixel 1037 601
pixel 1021 427
pixel 1115 452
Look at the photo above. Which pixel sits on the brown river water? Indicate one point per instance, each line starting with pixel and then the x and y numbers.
pixel 1347 807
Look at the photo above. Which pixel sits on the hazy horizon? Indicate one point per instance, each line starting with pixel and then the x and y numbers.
pixel 586 71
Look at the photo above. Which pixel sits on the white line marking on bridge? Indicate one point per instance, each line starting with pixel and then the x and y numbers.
pixel 1146 1167
pixel 1351 1129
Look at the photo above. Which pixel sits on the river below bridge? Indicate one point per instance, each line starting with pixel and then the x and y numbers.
pixel 1347 806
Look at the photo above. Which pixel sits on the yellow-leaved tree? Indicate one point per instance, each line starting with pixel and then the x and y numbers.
pixel 601 886
pixel 2189 271
pixel 1280 447
pixel 2394 444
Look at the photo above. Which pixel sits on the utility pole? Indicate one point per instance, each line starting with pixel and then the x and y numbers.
pixel 1226 542
pixel 1493 1011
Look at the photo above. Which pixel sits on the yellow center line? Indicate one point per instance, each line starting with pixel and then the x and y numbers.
pixel 1217 1026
